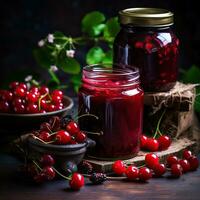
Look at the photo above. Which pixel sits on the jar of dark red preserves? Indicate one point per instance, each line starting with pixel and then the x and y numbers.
pixel 115 97
pixel 146 40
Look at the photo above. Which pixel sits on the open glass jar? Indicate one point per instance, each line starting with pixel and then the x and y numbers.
pixel 146 40
pixel 115 97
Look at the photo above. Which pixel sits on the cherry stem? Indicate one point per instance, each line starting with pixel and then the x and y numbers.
pixel 65 177
pixel 158 125
pixel 89 115
pixel 93 133
pixel 37 138
pixel 37 165
pixel 40 99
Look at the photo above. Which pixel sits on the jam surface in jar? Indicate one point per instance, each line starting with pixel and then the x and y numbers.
pixel 115 97
pixel 147 41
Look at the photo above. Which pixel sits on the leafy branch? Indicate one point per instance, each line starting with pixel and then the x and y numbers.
pixel 58 51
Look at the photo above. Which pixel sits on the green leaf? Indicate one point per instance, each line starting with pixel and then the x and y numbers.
pixel 108 58
pixel 59 38
pixel 111 29
pixel 95 55
pixel 90 20
pixel 44 57
pixel 54 77
pixel 68 65
pixel 97 30
pixel 192 75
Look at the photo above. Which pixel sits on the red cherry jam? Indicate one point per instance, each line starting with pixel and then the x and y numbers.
pixel 146 40
pixel 115 97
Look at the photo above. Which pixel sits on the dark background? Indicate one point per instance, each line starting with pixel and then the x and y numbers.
pixel 24 22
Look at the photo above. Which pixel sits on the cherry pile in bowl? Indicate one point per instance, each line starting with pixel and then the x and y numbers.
pixel 60 131
pixel 21 99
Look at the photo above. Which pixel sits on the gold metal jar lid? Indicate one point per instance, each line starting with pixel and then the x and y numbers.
pixel 146 17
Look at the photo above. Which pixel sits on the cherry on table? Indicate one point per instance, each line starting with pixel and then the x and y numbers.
pixel 194 163
pixel 132 173
pixel 77 181
pixel 171 159
pixel 144 174
pixel 185 165
pixel 119 167
pixel 187 154
pixel 151 160
pixel 159 169
pixel 49 172
pixel 176 170
pixel 39 178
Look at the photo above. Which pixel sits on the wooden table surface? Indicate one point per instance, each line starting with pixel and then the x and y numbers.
pixel 14 186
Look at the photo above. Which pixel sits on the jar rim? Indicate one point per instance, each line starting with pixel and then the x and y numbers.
pixel 100 74
pixel 106 69
pixel 146 17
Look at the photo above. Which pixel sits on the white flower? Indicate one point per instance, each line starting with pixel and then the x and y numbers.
pixel 41 43
pixel 70 53
pixel 50 38
pixel 53 68
pixel 28 78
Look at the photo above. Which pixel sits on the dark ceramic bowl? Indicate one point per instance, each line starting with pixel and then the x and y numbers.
pixel 61 153
pixel 17 124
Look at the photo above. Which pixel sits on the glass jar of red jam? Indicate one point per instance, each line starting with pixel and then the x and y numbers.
pixel 113 95
pixel 146 40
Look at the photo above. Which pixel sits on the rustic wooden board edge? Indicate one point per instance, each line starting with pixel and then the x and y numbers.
pixel 176 148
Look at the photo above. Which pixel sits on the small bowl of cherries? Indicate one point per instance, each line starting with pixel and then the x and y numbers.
pixel 24 107
pixel 61 138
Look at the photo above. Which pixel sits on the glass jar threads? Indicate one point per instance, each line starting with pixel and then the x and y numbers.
pixel 115 97
pixel 146 40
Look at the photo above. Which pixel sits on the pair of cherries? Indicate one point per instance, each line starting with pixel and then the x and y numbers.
pixel 151 144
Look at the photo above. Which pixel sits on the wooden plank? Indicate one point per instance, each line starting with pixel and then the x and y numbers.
pixel 176 148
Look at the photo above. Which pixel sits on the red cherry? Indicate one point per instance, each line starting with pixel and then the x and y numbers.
pixel 47 160
pixel 118 167
pixel 31 97
pixel 44 104
pixel 32 108
pixel 81 137
pixel 151 160
pixel 176 170
pixel 143 141
pixel 57 93
pixel 44 90
pixel 45 136
pixel 187 154
pixel 148 46
pixel 13 85
pixel 16 101
pixel 34 90
pixel 72 141
pixel 39 178
pixel 51 108
pixel 172 160
pixel 62 137
pixel 72 128
pixel 139 45
pixel 4 107
pixel 45 127
pixel 159 169
pixel 23 85
pixel 152 144
pixel 20 92
pixel 19 108
pixel 49 173
pixel 185 165
pixel 144 174
pixel 132 173
pixel 164 142
pixel 7 95
pixel 77 181
pixel 56 99
pixel 194 163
